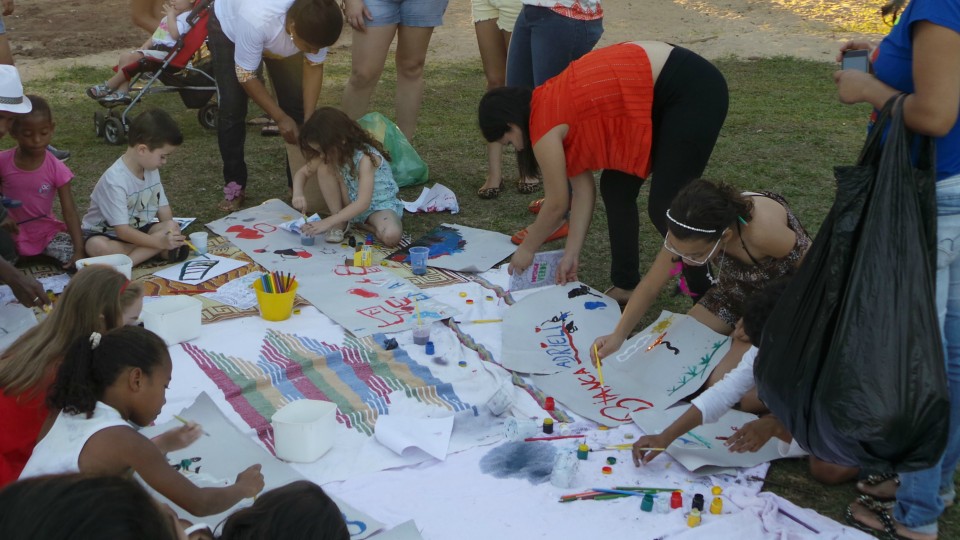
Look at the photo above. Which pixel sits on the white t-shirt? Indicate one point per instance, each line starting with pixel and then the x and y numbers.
pixel 715 401
pixel 59 451
pixel 257 29
pixel 161 36
pixel 120 198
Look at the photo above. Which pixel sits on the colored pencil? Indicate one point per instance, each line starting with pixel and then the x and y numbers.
pixel 187 422
pixel 620 491
pixel 651 489
pixel 558 437
pixel 190 291
pixel 482 321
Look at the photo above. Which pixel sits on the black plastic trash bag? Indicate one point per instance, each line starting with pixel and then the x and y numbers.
pixel 851 359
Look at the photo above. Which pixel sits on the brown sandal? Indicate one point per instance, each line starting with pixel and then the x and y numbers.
pixel 488 193
pixel 233 197
pixel 526 187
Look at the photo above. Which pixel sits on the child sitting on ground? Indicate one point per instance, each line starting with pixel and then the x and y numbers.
pixel 106 383
pixel 163 40
pixel 354 175
pixel 97 299
pixel 129 196
pixel 29 173
pixel 739 383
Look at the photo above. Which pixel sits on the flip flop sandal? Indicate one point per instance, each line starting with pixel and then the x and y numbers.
pixel 261 120
pixel 561 232
pixel 488 193
pixel 889 530
pixel 527 188
pixel 875 480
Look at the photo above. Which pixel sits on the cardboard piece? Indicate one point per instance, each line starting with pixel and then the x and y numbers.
pixel 226 453
pixel 641 377
pixel 702 450
pixel 460 248
pixel 552 331
pixel 199 269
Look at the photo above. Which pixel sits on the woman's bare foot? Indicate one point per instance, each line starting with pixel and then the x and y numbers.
pixel 622 296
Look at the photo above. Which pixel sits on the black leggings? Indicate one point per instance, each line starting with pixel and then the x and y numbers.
pixel 689 106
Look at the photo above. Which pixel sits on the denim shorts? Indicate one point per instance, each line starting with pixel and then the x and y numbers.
pixel 422 13
pixel 3 27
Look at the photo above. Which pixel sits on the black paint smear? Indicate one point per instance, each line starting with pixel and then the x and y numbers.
pixel 667 344
pixel 580 291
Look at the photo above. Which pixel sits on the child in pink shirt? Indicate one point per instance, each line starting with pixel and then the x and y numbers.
pixel 29 173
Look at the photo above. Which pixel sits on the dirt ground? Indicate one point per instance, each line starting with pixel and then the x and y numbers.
pixel 47 35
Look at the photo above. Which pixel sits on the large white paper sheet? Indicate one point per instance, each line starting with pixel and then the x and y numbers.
pixel 400 433
pixel 14 321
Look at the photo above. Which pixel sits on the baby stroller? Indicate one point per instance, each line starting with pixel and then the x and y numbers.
pixel 187 69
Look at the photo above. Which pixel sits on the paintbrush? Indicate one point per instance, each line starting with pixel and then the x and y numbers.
pixel 599 364
pixel 193 247
pixel 187 423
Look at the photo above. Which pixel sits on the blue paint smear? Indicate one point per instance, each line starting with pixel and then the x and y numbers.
pixel 594 305
pixel 532 461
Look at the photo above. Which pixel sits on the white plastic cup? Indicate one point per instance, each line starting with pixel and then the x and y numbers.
pixel 199 241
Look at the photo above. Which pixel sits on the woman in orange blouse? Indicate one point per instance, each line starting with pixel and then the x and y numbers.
pixel 631 110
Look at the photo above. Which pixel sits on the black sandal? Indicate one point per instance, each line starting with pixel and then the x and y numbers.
pixel 874 480
pixel 883 514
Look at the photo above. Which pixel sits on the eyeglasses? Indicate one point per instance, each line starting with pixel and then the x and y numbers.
pixel 695 260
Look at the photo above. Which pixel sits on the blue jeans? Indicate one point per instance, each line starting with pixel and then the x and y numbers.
pixel 287 77
pixel 920 497
pixel 550 38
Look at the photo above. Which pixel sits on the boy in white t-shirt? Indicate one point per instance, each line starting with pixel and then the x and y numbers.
pixel 164 39
pixel 129 196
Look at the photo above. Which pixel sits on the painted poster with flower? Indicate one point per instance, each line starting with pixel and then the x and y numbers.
pixel 459 248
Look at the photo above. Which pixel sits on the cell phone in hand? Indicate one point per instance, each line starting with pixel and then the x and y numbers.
pixel 858 59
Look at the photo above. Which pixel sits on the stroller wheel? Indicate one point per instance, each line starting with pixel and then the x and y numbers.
pixel 98 118
pixel 114 131
pixel 207 115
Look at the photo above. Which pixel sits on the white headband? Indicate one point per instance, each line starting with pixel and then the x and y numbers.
pixel 685 226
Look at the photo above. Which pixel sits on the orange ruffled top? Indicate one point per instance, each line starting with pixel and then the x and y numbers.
pixel 606 98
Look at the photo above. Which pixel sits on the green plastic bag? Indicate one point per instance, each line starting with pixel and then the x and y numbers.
pixel 408 169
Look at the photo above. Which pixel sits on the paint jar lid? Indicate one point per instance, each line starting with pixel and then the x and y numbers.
pixel 469 301
pixel 716 490
pixel 607 470
pixel 583 448
pixel 462 363
pixel 612 460
pixel 548 421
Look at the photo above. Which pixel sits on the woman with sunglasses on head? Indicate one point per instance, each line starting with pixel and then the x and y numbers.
pixel 744 240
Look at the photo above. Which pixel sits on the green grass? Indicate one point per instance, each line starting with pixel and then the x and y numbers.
pixel 785 132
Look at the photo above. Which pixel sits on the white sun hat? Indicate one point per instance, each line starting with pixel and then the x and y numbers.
pixel 11 91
